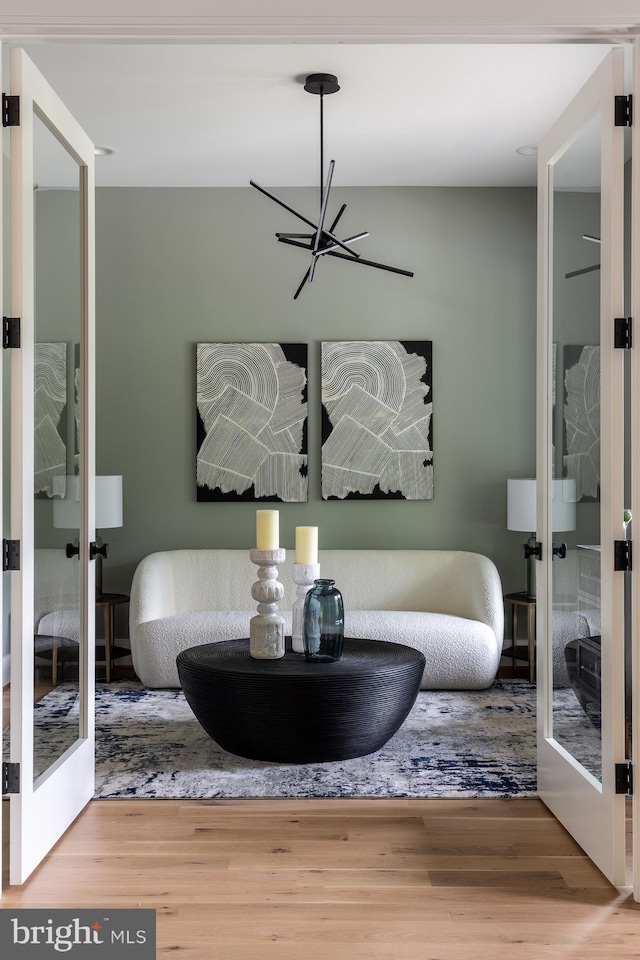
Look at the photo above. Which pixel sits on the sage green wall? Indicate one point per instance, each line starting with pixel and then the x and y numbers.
pixel 180 266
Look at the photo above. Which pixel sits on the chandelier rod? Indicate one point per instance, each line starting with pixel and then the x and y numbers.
pixel 321 144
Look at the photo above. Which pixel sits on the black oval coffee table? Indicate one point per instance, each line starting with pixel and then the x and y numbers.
pixel 291 711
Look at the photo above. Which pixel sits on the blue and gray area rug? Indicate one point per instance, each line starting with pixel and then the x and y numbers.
pixel 471 744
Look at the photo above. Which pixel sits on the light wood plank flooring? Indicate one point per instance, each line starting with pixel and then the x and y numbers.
pixel 348 879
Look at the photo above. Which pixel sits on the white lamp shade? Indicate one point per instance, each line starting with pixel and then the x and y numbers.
pixel 66 510
pixel 521 505
pixel 108 502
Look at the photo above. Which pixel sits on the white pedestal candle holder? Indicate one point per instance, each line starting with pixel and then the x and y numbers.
pixel 266 629
pixel 304 575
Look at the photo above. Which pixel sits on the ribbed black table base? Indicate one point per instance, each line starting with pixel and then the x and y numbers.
pixel 291 711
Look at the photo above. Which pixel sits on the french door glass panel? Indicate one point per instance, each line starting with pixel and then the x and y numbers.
pixel 52 467
pixel 58 422
pixel 581 729
pixel 576 575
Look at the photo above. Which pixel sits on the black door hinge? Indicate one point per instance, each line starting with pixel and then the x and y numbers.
pixel 622 555
pixel 10 111
pixel 10 332
pixel 624 778
pixel 623 111
pixel 10 554
pixel 622 333
pixel 10 778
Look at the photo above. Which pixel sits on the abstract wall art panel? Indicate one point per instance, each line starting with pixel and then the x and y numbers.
pixel 377 429
pixel 251 417
pixel 581 440
pixel 50 401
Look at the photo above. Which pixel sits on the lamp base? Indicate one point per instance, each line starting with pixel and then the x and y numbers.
pixel 100 554
pixel 98 576
pixel 531 577
pixel 531 568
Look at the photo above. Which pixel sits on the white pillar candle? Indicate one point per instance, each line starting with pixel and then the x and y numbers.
pixel 267 530
pixel 306 545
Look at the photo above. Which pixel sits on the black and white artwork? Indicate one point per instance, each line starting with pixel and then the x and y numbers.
pixel 50 402
pixel 377 429
pixel 581 440
pixel 251 415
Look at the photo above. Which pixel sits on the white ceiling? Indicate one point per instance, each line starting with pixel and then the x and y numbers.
pixel 220 115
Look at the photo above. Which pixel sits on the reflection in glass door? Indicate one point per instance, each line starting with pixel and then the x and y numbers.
pixel 575 455
pixel 57 465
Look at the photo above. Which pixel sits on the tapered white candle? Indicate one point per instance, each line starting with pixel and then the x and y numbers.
pixel 267 530
pixel 306 545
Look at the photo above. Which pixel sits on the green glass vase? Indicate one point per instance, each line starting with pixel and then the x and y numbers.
pixel 323 622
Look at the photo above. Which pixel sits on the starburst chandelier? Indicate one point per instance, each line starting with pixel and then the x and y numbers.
pixel 322 241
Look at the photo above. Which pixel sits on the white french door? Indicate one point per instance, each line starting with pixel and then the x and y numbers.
pixel 52 467
pixel 635 473
pixel 580 438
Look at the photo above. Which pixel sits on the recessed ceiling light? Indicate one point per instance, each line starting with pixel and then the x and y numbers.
pixel 528 151
pixel 104 151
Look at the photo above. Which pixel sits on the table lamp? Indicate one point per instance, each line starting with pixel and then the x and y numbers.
pixel 521 515
pixel 108 508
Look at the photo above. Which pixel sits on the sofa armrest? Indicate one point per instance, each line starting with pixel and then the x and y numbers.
pixel 487 593
pixel 152 590
pixel 474 591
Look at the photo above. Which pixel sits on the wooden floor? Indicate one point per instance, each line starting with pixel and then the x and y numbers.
pixel 344 879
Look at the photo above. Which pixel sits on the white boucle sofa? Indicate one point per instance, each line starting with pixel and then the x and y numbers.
pixel 446 603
